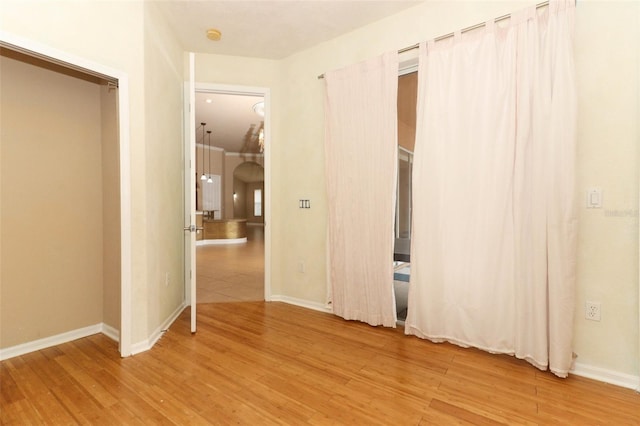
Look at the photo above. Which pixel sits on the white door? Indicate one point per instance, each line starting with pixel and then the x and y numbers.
pixel 190 193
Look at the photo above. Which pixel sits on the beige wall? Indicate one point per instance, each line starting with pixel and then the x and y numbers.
pixel 52 203
pixel 164 182
pixel 407 96
pixel 110 207
pixel 240 198
pixel 608 70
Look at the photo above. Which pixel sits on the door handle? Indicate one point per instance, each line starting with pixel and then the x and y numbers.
pixel 192 228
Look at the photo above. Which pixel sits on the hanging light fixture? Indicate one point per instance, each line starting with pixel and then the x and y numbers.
pixel 209 157
pixel 261 139
pixel 203 177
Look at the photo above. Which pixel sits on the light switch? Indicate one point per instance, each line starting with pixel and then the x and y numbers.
pixel 594 198
pixel 304 204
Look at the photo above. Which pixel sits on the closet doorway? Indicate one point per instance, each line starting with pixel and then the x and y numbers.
pixel 64 259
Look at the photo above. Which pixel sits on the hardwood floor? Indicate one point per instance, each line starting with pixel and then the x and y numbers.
pixel 231 273
pixel 271 363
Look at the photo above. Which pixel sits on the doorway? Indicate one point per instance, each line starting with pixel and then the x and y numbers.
pixel 232 145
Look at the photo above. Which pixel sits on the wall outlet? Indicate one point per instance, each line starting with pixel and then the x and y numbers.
pixel 592 311
pixel 166 279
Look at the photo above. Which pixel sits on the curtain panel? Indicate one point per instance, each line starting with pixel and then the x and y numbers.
pixel 494 225
pixel 361 168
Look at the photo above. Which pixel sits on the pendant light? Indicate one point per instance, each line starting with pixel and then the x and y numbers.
pixel 203 177
pixel 209 157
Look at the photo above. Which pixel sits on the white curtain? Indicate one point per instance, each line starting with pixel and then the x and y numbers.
pixel 361 167
pixel 493 244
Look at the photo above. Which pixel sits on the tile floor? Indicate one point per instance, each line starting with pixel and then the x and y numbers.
pixel 233 272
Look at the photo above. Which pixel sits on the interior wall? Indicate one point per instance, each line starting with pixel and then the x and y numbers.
pixel 52 203
pixel 239 199
pixel 407 99
pixel 608 70
pixel 111 276
pixel 163 59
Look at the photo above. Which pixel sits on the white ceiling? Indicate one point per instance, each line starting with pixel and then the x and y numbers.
pixel 233 123
pixel 270 29
pixel 264 29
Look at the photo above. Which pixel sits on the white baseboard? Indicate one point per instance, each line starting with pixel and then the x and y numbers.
pixel 47 342
pixel 608 376
pixel 147 344
pixel 301 302
pixel 221 241
pixel 111 332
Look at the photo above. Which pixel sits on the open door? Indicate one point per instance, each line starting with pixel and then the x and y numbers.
pixel 190 193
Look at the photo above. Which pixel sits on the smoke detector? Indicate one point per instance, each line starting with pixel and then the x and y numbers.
pixel 213 34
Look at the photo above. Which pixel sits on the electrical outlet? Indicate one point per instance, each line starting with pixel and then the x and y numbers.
pixel 166 279
pixel 592 311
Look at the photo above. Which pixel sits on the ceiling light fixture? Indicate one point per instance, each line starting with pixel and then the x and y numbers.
pixel 259 108
pixel 208 101
pixel 261 139
pixel 203 177
pixel 213 34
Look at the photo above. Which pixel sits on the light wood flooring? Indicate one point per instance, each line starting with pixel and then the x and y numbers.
pixel 232 272
pixel 258 363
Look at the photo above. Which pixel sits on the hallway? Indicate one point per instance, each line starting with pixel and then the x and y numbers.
pixel 232 273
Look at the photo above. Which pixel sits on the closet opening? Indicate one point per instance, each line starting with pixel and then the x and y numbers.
pixel 61 226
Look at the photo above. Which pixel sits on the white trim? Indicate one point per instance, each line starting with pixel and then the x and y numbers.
pixel 60 57
pixel 111 332
pixel 47 342
pixel 147 344
pixel 126 269
pixel 321 307
pixel 240 154
pixel 214 148
pixel 265 92
pixel 608 376
pixel 221 241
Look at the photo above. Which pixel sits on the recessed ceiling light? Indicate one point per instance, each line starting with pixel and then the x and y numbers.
pixel 213 34
pixel 208 101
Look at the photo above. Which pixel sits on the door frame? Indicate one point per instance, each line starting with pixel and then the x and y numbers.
pixel 265 92
pixel 59 57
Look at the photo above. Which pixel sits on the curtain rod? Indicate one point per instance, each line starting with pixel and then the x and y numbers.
pixel 464 30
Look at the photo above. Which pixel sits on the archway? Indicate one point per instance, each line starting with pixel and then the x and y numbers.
pixel 248 193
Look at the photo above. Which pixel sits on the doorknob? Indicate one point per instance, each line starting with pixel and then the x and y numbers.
pixel 190 228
